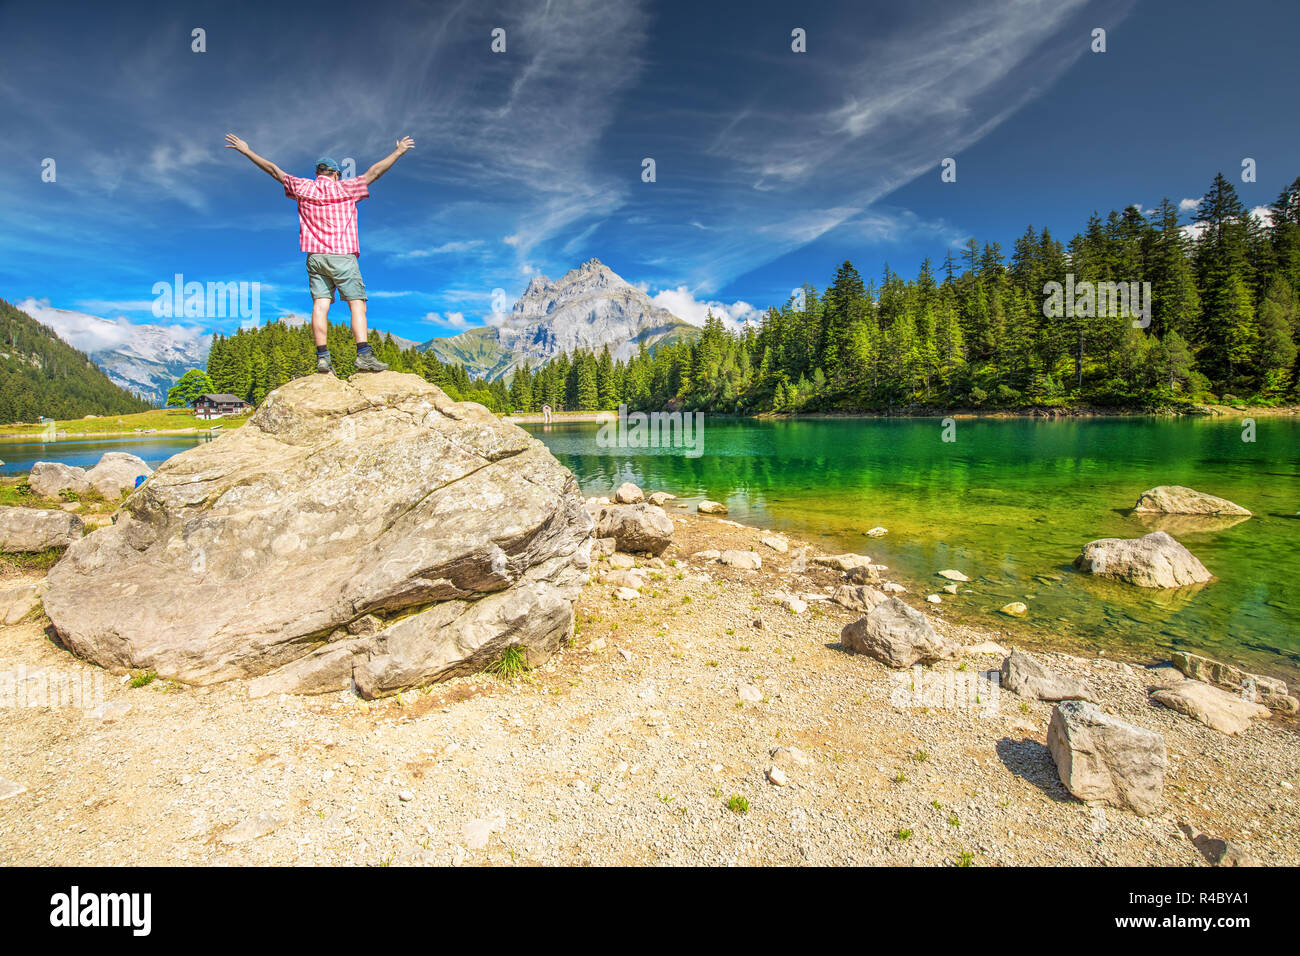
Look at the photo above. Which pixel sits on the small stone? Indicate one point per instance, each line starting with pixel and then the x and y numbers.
pixel 952 575
pixel 776 776
pixel 950 589
pixel 406 796
pixel 878 532
pixel 625 594
pixel 750 693
pixel 934 599
pixel 10 788
pixel 1014 609
pixel 779 545
pixel 711 508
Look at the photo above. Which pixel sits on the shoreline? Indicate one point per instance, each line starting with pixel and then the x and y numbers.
pixel 1033 413
pixel 633 745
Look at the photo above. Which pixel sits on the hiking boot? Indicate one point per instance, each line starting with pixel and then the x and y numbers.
pixel 368 363
pixel 324 365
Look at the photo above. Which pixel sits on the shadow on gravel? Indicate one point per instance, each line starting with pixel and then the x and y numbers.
pixel 1030 760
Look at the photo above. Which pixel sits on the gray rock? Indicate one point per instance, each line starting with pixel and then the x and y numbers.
pixel 628 494
pixel 1178 500
pixel 1269 691
pixel 1152 561
pixel 48 478
pixel 116 473
pixel 639 527
pixel 897 635
pixel 858 598
pixel 1026 676
pixel 1103 759
pixel 603 546
pixel 842 562
pixel 36 529
pixel 711 508
pixel 378 496
pixel 17 602
pixel 660 498
pixel 1225 712
pixel 863 574
pixel 745 560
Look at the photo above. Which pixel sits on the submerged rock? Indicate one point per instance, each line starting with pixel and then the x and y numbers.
pixel 1152 561
pixel 1103 759
pixel 1177 500
pixel 253 555
pixel 711 508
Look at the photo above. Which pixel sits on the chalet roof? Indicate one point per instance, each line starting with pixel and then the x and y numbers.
pixel 223 398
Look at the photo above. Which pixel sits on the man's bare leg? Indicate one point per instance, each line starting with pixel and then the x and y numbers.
pixel 359 330
pixel 320 312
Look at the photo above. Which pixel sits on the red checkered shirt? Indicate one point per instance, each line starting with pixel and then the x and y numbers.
pixel 327 212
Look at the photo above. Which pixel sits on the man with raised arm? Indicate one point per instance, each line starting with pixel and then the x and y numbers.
pixel 327 232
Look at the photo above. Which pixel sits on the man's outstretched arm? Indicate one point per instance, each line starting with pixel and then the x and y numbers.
pixel 381 167
pixel 272 170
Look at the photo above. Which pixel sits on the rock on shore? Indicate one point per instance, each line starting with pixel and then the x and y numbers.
pixel 370 532
pixel 898 635
pixel 1152 561
pixel 1103 759
pixel 36 529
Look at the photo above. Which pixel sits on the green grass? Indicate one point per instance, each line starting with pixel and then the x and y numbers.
pixel 30 561
pixel 738 804
pixel 143 678
pixel 905 834
pixel 513 663
pixel 162 419
pixel 965 858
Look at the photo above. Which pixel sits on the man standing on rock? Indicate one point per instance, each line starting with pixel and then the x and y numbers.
pixel 327 232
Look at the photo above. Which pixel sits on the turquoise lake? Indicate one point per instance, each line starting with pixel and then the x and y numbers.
pixel 1010 502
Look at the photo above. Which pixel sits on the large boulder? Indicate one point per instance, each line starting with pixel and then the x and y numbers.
pixel 1225 712
pixel 48 478
pixel 1152 561
pixel 36 529
pixel 116 474
pixel 1177 500
pixel 639 527
pixel 1025 675
pixel 897 635
pixel 1103 759
pixel 370 532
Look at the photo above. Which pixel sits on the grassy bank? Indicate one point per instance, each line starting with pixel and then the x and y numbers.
pixel 156 420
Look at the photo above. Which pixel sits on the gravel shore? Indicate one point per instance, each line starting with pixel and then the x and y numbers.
pixel 648 740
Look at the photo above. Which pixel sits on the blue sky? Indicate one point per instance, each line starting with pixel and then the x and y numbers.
pixel 771 166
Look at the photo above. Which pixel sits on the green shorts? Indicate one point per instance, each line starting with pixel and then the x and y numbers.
pixel 327 272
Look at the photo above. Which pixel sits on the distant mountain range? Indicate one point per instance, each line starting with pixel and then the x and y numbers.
pixel 41 375
pixel 589 307
pixel 146 360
